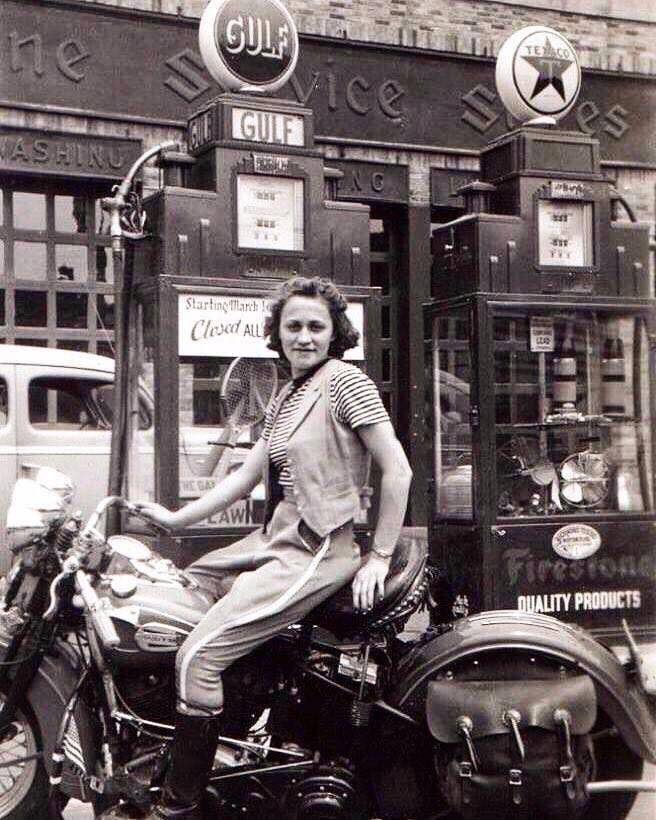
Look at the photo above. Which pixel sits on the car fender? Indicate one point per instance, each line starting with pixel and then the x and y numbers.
pixel 618 694
pixel 48 697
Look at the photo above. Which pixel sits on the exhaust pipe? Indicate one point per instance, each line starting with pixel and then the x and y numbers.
pixel 621 786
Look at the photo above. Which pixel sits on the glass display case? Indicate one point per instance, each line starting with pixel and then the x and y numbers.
pixel 542 431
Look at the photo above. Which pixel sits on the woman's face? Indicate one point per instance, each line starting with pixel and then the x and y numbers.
pixel 306 330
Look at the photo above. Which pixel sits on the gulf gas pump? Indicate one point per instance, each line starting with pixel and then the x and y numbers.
pixel 249 204
pixel 542 331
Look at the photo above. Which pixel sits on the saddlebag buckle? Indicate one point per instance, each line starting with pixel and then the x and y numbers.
pixel 466 769
pixel 566 774
pixel 514 777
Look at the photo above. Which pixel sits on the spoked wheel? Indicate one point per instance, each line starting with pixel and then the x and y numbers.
pixel 613 760
pixel 23 780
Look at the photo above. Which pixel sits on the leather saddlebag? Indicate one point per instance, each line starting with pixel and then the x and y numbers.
pixel 513 749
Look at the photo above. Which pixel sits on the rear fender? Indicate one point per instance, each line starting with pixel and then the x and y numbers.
pixel 47 697
pixel 618 695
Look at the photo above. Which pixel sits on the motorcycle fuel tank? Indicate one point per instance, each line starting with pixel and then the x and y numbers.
pixel 152 619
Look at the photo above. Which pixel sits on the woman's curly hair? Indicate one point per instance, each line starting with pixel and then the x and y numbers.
pixel 345 335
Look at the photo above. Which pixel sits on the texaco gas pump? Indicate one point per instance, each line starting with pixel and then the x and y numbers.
pixel 250 204
pixel 542 357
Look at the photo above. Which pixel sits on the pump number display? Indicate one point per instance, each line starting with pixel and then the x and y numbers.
pixel 564 233
pixel 270 213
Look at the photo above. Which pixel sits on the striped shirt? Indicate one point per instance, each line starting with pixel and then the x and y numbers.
pixel 354 400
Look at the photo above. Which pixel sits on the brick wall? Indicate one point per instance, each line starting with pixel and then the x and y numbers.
pixel 603 38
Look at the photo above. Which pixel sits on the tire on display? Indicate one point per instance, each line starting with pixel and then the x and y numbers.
pixel 23 786
pixel 613 761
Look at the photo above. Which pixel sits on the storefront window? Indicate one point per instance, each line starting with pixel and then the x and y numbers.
pixel 104 264
pixel 105 312
pixel 72 344
pixel 573 419
pixel 71 263
pixel 451 419
pixel 30 260
pixel 29 211
pixel 72 310
pixel 70 214
pixel 31 308
pixel 101 218
pixel 66 250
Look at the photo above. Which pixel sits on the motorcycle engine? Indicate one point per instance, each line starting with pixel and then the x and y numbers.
pixel 325 793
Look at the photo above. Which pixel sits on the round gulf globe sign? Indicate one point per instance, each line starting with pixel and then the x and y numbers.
pixel 248 45
pixel 538 74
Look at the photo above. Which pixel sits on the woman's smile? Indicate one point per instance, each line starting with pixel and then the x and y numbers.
pixel 306 331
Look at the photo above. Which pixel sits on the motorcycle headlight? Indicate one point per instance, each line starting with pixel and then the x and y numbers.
pixel 32 510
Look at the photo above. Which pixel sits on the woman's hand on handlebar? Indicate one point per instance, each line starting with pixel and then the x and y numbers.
pixel 369 583
pixel 154 514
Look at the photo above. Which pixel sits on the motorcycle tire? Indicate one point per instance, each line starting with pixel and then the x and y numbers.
pixel 613 761
pixel 23 786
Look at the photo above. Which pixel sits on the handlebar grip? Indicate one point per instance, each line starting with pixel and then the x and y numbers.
pixel 104 627
pixel 100 620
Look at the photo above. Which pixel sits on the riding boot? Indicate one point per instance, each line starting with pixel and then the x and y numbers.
pixel 192 756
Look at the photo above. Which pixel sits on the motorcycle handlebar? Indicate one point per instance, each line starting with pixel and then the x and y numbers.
pixel 101 622
pixel 90 527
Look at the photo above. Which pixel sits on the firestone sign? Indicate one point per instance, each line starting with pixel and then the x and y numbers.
pixel 248 44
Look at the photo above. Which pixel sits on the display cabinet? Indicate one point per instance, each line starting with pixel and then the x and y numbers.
pixel 542 434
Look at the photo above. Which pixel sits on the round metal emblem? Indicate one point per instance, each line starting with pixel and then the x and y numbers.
pixel 576 541
pixel 538 74
pixel 248 44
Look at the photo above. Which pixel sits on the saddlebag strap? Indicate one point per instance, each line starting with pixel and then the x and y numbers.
pixel 516 775
pixel 466 772
pixel 486 702
pixel 563 720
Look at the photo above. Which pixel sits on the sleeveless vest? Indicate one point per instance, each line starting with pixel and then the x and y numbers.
pixel 328 463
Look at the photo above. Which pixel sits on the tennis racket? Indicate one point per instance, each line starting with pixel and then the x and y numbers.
pixel 247 388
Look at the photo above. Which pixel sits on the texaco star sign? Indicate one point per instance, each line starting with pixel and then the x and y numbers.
pixel 538 74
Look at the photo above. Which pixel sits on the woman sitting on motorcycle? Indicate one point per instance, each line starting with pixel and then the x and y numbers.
pixel 319 437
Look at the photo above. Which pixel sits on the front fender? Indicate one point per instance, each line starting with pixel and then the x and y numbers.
pixel 512 631
pixel 48 696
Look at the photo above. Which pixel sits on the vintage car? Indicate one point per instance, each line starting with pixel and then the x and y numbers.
pixel 56 409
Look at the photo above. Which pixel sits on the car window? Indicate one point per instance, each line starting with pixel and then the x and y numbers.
pixel 103 396
pixel 64 404
pixel 75 404
pixel 4 403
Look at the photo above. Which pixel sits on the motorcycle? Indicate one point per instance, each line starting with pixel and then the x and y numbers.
pixel 499 714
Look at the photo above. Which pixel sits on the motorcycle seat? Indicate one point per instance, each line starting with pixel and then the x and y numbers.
pixel 404 588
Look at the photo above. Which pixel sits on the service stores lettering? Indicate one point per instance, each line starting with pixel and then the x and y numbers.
pixel 64 56
pixel 230 325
